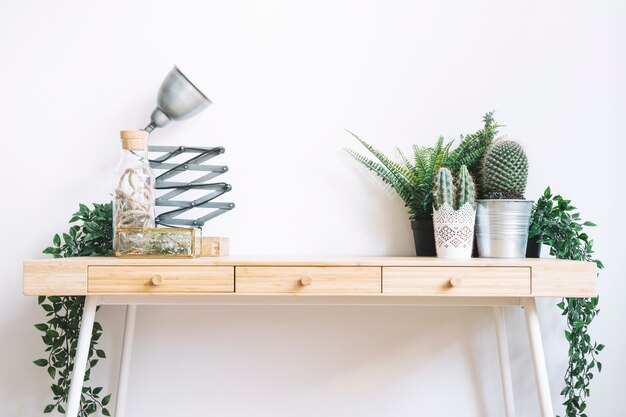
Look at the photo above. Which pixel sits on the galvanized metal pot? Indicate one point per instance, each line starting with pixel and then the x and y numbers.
pixel 502 228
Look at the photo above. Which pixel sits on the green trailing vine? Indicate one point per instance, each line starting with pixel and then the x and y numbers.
pixel 91 235
pixel 556 223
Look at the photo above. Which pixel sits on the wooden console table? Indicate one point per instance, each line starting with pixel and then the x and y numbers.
pixel 320 281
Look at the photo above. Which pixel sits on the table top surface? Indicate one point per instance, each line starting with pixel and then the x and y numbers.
pixel 316 261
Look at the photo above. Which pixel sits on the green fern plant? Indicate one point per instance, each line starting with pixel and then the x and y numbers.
pixel 413 178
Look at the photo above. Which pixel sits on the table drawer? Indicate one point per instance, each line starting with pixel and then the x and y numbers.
pixel 308 280
pixel 457 281
pixel 160 279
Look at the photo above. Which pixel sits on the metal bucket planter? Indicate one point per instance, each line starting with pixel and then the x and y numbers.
pixel 454 231
pixel 502 228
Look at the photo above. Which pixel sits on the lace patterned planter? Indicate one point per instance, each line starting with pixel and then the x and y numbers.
pixel 454 231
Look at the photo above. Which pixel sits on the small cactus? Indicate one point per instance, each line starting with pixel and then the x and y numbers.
pixel 505 171
pixel 466 191
pixel 445 191
pixel 444 188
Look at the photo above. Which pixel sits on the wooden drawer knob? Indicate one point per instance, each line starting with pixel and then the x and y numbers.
pixel 157 280
pixel 305 281
pixel 456 282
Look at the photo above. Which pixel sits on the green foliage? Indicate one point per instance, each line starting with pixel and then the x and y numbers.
pixel 92 236
pixel 472 148
pixel 465 188
pixel 413 179
pixel 556 223
pixel 505 171
pixel 444 188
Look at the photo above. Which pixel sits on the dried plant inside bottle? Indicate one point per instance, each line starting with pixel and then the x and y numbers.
pixel 134 184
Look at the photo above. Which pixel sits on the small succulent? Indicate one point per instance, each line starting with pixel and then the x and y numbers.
pixel 455 195
pixel 505 171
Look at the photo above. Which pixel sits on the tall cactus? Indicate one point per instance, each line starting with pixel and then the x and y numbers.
pixel 444 188
pixel 466 191
pixel 505 171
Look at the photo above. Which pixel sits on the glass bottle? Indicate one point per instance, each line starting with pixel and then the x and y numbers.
pixel 133 205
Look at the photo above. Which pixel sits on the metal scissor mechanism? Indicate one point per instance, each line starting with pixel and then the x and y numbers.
pixel 174 161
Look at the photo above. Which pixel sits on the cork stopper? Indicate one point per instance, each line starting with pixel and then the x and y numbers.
pixel 134 140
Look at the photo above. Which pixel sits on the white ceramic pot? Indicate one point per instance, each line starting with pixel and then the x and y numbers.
pixel 454 231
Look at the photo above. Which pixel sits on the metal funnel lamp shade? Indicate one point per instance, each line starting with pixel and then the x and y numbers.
pixel 178 99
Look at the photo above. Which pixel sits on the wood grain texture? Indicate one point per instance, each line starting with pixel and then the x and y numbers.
pixel 308 280
pixel 457 281
pixel 160 279
pixel 577 280
pixel 214 246
pixel 549 277
pixel 55 277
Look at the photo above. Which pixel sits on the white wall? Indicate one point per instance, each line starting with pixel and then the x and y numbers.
pixel 286 78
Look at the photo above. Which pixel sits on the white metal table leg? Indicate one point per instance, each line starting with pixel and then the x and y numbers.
pixel 505 366
pixel 82 353
pixel 127 347
pixel 539 362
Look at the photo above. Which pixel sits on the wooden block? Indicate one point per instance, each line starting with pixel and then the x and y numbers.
pixel 214 246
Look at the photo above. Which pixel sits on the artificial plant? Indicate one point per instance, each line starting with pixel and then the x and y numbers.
pixel 412 179
pixel 556 223
pixel 92 235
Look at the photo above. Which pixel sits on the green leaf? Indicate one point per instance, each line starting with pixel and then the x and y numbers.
pixel 100 353
pixel 600 348
pixel 56 240
pixel 106 400
pixel 41 326
pixel 48 408
pixel 41 362
pixel 105 412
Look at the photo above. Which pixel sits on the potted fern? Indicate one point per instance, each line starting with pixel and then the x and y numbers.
pixel 413 178
pixel 454 212
pixel 503 215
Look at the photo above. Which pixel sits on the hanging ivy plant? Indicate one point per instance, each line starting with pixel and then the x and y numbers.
pixel 91 235
pixel 556 223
